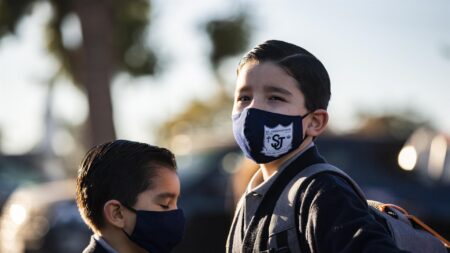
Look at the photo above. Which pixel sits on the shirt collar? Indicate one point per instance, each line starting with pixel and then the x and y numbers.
pixel 263 187
pixel 105 244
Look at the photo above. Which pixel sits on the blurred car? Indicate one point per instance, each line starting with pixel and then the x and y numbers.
pixel 24 170
pixel 206 198
pixel 43 219
pixel 375 165
pixel 426 154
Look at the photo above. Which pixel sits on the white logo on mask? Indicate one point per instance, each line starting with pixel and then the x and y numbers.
pixel 277 140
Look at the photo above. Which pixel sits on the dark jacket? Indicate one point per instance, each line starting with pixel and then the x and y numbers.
pixel 94 247
pixel 332 217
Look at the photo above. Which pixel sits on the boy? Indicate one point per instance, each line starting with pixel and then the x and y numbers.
pixel 281 97
pixel 127 194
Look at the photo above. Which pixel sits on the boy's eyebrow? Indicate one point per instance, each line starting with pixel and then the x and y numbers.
pixel 166 195
pixel 244 89
pixel 277 89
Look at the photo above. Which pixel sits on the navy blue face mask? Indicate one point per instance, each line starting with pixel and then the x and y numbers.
pixel 265 136
pixel 158 232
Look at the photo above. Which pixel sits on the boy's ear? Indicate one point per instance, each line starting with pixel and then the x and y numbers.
pixel 113 213
pixel 317 123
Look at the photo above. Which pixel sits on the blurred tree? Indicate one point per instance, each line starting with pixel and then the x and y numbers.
pixel 394 125
pixel 203 119
pixel 228 37
pixel 112 40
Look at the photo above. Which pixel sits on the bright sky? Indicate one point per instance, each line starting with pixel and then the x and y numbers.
pixel 382 56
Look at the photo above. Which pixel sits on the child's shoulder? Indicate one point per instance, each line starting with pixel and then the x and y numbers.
pixel 331 185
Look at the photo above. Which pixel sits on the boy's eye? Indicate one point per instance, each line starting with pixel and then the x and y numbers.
pixel 164 206
pixel 277 98
pixel 243 98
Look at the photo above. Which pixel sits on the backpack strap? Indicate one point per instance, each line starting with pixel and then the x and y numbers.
pixel 328 168
pixel 256 237
pixel 304 177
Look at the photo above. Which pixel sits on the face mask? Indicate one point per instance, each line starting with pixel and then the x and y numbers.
pixel 158 232
pixel 265 136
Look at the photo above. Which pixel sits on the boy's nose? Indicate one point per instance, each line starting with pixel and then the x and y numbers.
pixel 256 103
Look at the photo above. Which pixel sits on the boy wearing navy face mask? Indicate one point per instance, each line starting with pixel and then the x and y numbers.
pixel 127 194
pixel 281 96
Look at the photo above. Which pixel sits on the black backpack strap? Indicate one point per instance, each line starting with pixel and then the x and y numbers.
pixel 259 228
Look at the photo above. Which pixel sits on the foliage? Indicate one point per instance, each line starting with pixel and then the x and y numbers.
pixel 113 39
pixel 228 37
pixel 391 125
pixel 130 20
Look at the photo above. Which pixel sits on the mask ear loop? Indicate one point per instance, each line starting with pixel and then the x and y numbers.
pixel 304 116
pixel 134 211
pixel 130 208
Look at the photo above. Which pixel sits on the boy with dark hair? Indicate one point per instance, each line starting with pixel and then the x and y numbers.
pixel 281 96
pixel 127 193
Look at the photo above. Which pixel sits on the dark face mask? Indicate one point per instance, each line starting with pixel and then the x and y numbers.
pixel 158 232
pixel 265 136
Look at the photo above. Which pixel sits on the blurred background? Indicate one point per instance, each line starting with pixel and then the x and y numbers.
pixel 77 73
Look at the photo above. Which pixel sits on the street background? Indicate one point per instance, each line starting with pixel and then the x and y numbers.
pixel 78 73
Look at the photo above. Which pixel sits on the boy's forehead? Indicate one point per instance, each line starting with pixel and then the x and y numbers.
pixel 243 74
pixel 249 74
pixel 264 74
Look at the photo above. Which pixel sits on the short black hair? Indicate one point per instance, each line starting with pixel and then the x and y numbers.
pixel 304 67
pixel 117 170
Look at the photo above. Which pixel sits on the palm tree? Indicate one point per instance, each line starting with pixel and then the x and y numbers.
pixel 113 40
pixel 229 37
